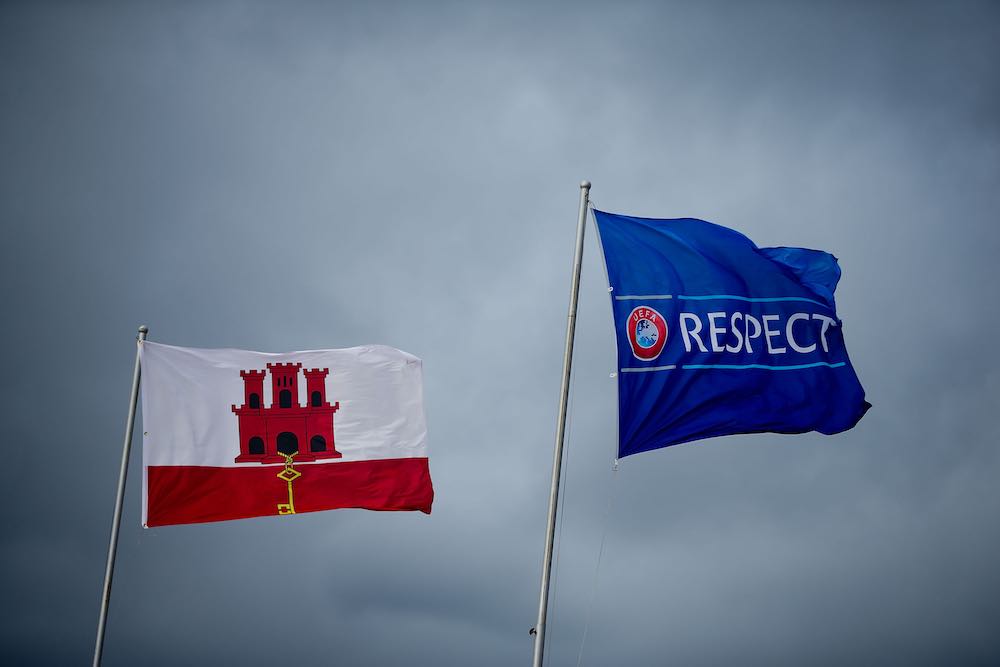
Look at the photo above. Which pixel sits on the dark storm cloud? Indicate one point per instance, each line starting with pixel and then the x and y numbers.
pixel 304 175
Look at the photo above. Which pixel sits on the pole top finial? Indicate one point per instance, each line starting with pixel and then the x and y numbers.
pixel 585 185
pixel 143 329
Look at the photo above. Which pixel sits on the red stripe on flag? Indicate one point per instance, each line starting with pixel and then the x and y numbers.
pixel 197 494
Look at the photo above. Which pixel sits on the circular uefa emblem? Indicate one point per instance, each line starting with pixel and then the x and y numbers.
pixel 647 333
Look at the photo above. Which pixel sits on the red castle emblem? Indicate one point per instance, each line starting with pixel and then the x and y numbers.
pixel 274 434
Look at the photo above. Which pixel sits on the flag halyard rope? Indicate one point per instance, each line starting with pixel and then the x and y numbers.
pixel 600 557
pixel 563 491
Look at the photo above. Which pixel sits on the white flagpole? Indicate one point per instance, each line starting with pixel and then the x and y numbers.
pixel 113 545
pixel 550 531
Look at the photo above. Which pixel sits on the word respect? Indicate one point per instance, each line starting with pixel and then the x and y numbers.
pixel 737 332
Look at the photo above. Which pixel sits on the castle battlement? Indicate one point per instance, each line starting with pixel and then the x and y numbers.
pixel 286 427
pixel 284 367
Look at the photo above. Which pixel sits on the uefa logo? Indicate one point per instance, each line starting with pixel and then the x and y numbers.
pixel 647 333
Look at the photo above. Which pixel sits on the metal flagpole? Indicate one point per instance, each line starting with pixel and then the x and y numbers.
pixel 113 545
pixel 550 531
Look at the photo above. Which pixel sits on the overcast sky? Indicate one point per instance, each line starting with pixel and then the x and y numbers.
pixel 282 176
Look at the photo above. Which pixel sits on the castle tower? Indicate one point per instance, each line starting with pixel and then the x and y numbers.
pixel 253 389
pixel 316 386
pixel 284 385
pixel 286 428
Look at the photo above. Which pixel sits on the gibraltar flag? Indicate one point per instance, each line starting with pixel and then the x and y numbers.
pixel 231 434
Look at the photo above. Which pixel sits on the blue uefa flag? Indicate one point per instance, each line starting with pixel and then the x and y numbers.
pixel 717 336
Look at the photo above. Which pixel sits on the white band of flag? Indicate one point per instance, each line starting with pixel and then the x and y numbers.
pixel 642 297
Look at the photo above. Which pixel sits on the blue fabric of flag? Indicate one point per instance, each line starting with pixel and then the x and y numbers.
pixel 717 336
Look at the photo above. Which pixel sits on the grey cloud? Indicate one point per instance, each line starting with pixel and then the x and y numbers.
pixel 311 175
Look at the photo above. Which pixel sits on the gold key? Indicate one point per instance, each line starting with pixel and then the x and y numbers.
pixel 289 474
